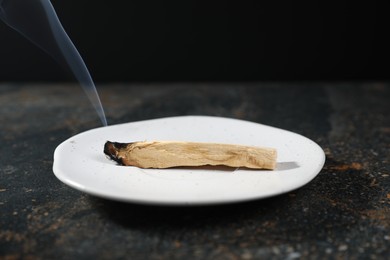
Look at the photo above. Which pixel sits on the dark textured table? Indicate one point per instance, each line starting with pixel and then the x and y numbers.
pixel 343 213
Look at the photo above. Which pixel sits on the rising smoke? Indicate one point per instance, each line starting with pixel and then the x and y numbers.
pixel 38 22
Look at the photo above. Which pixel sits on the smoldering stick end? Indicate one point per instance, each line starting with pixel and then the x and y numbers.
pixel 111 149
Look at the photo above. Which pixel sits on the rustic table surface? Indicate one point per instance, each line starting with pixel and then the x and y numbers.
pixel 343 212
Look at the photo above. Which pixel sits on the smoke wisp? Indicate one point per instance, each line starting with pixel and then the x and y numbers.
pixel 38 22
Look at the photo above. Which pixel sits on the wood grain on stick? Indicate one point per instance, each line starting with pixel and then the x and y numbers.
pixel 168 154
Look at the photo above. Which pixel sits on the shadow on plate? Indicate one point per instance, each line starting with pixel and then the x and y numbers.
pixel 284 166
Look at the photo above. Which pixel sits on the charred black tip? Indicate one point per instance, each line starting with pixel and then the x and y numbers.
pixel 119 145
pixel 111 148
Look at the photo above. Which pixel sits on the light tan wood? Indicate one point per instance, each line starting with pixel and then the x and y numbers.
pixel 167 154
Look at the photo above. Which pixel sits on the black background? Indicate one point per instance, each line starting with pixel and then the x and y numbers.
pixel 208 40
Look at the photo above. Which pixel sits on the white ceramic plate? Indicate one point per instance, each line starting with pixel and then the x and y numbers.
pixel 80 163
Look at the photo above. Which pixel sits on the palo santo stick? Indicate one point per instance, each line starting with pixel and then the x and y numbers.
pixel 167 154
